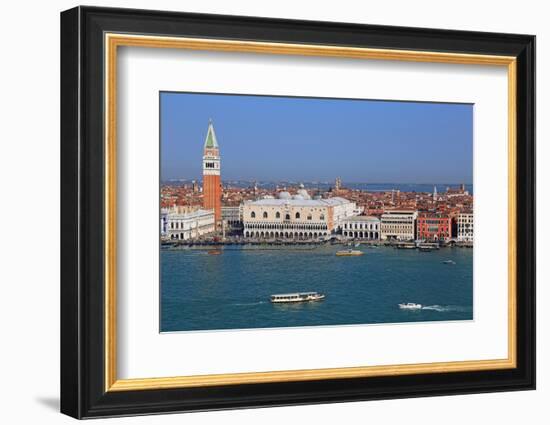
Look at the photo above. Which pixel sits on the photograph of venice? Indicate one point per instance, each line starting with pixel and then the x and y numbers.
pixel 283 212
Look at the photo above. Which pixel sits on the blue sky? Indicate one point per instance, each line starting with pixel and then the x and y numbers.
pixel 310 139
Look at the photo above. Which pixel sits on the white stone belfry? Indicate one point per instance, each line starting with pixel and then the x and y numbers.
pixel 211 164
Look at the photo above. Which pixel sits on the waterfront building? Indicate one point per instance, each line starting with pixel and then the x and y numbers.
pixel 361 227
pixel 184 225
pixel 211 174
pixel 295 217
pixel 232 214
pixel 163 221
pixel 465 227
pixel 341 209
pixel 232 217
pixel 398 224
pixel 434 227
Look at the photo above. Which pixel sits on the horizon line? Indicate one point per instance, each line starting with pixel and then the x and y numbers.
pixel 317 182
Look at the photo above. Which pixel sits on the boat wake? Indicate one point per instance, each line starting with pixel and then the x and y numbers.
pixel 444 308
pixel 255 303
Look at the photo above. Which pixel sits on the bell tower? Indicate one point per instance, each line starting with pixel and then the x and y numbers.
pixel 211 174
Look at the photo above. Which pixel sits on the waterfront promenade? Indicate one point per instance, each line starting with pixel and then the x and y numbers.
pixel 240 241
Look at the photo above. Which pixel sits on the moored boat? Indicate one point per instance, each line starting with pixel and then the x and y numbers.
pixel 349 253
pixel 405 245
pixel 427 247
pixel 297 297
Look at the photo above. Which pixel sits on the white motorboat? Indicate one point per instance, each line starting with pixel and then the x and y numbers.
pixel 349 253
pixel 410 306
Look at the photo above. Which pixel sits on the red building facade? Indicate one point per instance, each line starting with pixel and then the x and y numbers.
pixel 434 227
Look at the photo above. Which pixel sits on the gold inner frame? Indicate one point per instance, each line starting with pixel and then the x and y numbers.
pixel 113 41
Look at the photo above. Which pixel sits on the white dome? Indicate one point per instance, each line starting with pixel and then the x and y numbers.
pixel 303 193
pixel 284 195
pixel 299 197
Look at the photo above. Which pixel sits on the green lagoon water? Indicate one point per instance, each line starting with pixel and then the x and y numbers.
pixel 231 291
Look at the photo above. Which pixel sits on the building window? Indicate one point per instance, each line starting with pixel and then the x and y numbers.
pixel 277 214
pixel 322 217
pixel 252 214
pixel 309 216
pixel 297 215
pixel 287 217
pixel 265 214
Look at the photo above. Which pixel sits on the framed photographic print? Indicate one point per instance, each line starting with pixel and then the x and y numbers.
pixel 261 212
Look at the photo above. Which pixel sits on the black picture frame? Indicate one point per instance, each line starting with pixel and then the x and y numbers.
pixel 83 392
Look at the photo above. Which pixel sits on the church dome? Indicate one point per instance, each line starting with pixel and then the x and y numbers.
pixel 303 193
pixel 298 197
pixel 284 195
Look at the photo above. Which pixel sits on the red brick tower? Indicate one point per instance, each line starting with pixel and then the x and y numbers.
pixel 211 180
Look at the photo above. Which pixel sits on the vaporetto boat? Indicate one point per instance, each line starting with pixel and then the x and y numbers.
pixel 297 297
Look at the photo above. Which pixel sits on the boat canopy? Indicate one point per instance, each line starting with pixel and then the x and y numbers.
pixel 295 294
